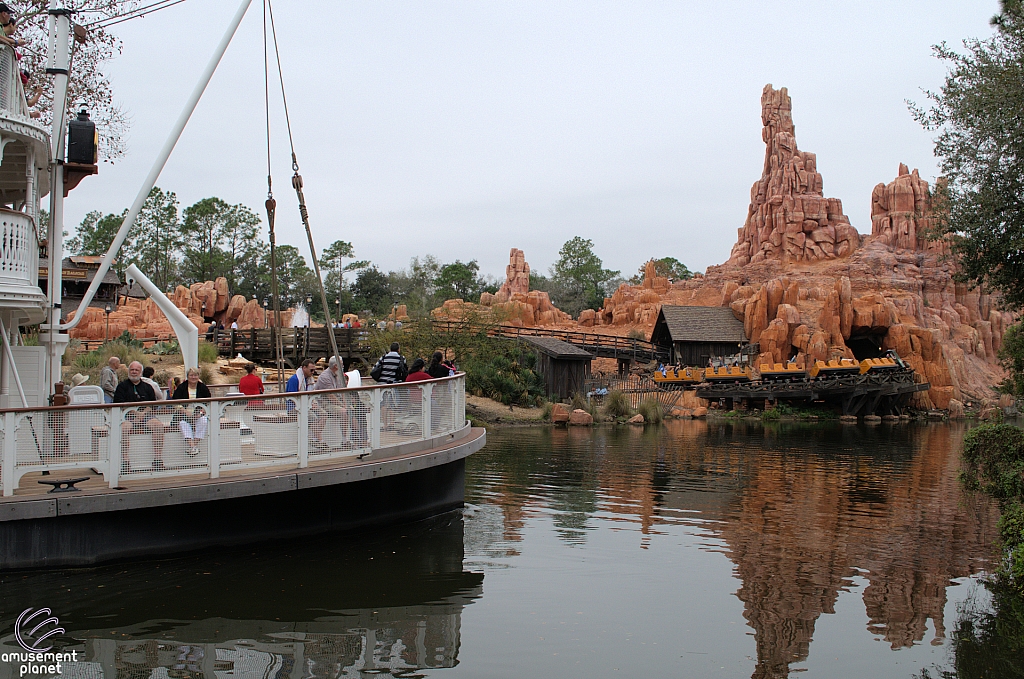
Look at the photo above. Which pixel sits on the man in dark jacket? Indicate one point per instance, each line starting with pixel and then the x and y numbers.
pixel 393 367
pixel 134 390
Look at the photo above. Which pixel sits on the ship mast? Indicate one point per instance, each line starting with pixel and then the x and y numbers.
pixel 57 65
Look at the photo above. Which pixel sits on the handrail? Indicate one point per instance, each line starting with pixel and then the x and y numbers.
pixel 175 439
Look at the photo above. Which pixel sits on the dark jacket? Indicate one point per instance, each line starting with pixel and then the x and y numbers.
pixel 181 393
pixel 438 371
pixel 127 392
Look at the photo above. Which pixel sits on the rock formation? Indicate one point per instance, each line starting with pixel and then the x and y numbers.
pixel 201 302
pixel 789 218
pixel 513 304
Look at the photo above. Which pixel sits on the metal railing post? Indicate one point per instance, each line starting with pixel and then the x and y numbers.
pixel 375 399
pixel 213 412
pixel 427 390
pixel 114 447
pixel 10 453
pixel 303 421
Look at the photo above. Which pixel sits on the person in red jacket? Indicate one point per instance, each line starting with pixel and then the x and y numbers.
pixel 251 384
pixel 416 372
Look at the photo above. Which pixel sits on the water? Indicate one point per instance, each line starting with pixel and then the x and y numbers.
pixel 693 549
pixel 300 317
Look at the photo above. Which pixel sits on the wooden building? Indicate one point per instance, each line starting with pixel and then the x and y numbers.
pixel 695 334
pixel 78 272
pixel 563 367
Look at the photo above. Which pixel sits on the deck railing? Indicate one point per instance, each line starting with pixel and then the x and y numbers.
pixel 12 94
pixel 208 437
pixel 19 249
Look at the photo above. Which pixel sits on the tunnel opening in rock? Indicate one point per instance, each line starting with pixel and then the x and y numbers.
pixel 866 345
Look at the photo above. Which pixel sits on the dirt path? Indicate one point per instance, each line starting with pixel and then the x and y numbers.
pixel 492 412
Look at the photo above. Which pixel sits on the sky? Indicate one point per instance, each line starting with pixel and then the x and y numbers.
pixel 464 129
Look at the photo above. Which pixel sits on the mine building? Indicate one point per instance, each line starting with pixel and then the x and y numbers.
pixel 693 335
pixel 78 272
pixel 564 367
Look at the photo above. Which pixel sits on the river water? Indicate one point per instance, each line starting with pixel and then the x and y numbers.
pixel 694 549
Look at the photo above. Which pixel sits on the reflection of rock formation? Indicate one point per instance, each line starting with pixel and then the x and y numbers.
pixel 805 527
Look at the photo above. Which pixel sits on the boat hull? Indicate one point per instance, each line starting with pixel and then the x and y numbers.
pixel 290 504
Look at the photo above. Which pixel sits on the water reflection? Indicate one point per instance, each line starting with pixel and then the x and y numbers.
pixel 804 513
pixel 388 605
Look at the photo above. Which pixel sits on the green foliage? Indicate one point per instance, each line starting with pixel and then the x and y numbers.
pixel 652 410
pixel 666 267
pixel 168 348
pixel 207 352
pixel 616 404
pixel 579 277
pixel 205 374
pixel 504 374
pixel 95 234
pixel 993 457
pixel 548 407
pixel 217 237
pixel 993 462
pixel 636 333
pixel 1011 355
pixel 777 412
pixel 128 339
pixel 459 281
pixel 980 142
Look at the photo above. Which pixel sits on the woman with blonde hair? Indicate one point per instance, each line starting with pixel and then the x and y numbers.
pixel 193 425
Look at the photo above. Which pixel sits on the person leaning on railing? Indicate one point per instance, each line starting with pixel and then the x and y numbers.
pixel 134 390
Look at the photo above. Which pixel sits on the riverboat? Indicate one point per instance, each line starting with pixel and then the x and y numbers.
pixel 91 482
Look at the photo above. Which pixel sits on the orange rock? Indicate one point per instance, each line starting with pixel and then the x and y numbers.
pixel 580 418
pixel 559 413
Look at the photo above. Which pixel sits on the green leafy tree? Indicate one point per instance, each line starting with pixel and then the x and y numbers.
pixel 581 276
pixel 94 236
pixel 333 268
pixel 458 280
pixel 295 279
pixel 372 291
pixel 157 240
pixel 977 115
pixel 217 236
pixel 666 267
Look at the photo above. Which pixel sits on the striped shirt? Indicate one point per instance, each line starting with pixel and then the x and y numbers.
pixel 390 365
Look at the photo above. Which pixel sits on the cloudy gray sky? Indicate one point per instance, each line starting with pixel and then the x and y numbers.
pixel 463 129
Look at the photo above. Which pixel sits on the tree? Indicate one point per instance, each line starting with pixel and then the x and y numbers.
pixel 157 239
pixel 977 114
pixel 94 236
pixel 581 275
pixel 372 290
pixel 88 81
pixel 458 280
pixel 666 267
pixel 333 268
pixel 217 237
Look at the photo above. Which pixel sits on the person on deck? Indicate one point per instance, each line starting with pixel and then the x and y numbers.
pixel 134 390
pixel 193 425
pixel 392 366
pixel 108 376
pixel 302 380
pixel 250 384
pixel 437 368
pixel 147 377
pixel 418 374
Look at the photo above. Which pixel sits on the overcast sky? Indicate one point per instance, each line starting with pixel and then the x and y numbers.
pixel 463 129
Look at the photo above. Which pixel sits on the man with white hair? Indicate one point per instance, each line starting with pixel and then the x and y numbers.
pixel 108 378
pixel 329 406
pixel 134 390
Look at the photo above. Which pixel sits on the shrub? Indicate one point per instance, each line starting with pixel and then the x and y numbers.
pixel 616 404
pixel 548 407
pixel 169 348
pixel 652 410
pixel 636 333
pixel 205 374
pixel 993 459
pixel 127 339
pixel 207 352
pixel 578 401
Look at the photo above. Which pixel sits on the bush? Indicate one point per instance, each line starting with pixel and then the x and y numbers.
pixel 636 333
pixel 505 376
pixel 207 352
pixel 993 458
pixel 616 404
pixel 205 374
pixel 169 348
pixel 652 410
pixel 777 412
pixel 548 407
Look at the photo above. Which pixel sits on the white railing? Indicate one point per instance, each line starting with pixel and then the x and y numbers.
pixel 19 249
pixel 12 94
pixel 271 431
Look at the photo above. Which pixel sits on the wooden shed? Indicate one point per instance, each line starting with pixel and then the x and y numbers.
pixel 563 367
pixel 694 334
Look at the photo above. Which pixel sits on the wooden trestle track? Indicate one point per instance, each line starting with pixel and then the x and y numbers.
pixel 870 394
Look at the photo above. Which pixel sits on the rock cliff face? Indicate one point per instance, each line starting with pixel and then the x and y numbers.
pixel 789 218
pixel 201 301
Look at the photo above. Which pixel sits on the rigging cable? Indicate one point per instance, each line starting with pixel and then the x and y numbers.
pixel 132 14
pixel 303 212
pixel 271 212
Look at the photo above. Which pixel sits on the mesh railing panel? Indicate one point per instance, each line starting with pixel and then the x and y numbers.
pixel 207 438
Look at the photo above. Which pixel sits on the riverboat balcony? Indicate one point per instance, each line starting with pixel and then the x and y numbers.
pixel 24 153
pixel 176 443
